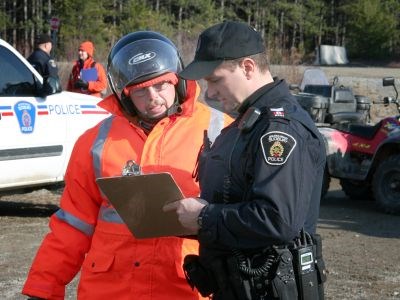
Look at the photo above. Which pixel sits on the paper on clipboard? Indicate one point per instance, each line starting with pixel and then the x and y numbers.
pixel 139 201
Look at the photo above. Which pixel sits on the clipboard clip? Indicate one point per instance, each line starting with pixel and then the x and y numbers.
pixel 131 168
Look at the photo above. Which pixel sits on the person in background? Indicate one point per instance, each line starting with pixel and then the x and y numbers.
pixel 260 181
pixel 87 75
pixel 157 125
pixel 41 58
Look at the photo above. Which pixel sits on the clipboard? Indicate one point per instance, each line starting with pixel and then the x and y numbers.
pixel 139 201
pixel 89 74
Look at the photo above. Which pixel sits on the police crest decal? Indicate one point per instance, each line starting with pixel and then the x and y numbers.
pixel 26 113
pixel 277 147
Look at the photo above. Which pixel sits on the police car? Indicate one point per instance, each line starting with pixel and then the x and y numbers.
pixel 39 123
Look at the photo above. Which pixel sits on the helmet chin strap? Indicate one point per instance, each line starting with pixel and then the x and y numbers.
pixel 175 107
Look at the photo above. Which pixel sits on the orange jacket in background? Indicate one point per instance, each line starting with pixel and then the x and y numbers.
pixel 95 87
pixel 87 232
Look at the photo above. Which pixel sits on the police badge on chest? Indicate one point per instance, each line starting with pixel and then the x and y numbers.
pixel 131 168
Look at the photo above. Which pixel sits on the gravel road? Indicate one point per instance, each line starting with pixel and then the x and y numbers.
pixel 360 244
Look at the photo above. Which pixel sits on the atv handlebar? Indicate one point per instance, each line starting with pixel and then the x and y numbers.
pixel 390 81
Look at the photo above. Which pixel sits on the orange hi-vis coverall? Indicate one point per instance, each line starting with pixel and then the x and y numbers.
pixel 86 232
pixel 96 86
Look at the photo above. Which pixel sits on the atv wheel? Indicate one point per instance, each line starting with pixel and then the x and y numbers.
pixel 356 189
pixel 325 183
pixel 386 185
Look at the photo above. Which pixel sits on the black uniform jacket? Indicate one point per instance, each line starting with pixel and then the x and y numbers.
pixel 43 63
pixel 263 183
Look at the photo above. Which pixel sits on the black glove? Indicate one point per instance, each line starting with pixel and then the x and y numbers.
pixel 34 298
pixel 81 84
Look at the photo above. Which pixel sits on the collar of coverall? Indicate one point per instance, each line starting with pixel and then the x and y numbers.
pixel 170 77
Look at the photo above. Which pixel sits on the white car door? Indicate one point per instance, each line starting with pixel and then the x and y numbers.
pixel 31 138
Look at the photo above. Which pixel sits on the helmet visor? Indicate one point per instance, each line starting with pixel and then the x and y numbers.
pixel 140 61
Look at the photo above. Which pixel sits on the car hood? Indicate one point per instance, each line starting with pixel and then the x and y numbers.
pixel 79 96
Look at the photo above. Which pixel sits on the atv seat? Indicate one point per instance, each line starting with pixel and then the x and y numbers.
pixel 365 131
pixel 361 130
pixel 345 117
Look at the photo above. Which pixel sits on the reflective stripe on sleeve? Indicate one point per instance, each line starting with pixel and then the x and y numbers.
pixel 110 215
pixel 216 124
pixel 75 222
pixel 99 144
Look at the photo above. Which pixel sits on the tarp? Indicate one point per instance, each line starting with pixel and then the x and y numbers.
pixel 331 55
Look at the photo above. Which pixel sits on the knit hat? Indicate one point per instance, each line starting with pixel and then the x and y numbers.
pixel 42 39
pixel 88 47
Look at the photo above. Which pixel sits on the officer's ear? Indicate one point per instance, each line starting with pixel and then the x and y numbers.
pixel 249 66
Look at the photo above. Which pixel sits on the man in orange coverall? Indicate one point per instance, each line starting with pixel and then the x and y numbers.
pixel 157 123
pixel 87 75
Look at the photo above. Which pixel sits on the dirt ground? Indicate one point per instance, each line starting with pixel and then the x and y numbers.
pixel 360 244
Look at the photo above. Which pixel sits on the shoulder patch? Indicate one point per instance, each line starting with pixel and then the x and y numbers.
pixel 52 63
pixel 277 147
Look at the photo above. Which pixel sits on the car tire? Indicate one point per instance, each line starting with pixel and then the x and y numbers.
pixel 357 189
pixel 386 185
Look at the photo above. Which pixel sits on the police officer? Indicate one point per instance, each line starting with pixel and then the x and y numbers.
pixel 41 60
pixel 261 179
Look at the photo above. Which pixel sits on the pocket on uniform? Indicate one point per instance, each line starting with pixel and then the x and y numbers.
pixel 98 262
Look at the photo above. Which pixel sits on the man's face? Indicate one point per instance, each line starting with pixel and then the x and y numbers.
pixel 83 55
pixel 48 46
pixel 153 101
pixel 227 85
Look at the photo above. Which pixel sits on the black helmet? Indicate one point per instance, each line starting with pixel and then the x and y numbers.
pixel 141 56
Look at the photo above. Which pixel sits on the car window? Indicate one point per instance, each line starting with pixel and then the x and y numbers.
pixel 15 78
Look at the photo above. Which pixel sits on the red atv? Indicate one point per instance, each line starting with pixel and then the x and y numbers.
pixel 366 158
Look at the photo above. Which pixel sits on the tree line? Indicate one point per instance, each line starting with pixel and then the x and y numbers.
pixel 292 29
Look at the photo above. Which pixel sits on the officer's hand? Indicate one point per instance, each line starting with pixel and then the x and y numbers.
pixel 35 298
pixel 188 211
pixel 81 84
